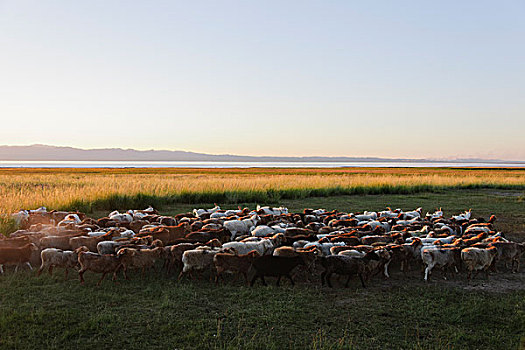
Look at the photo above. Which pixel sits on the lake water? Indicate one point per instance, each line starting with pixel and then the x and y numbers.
pixel 185 164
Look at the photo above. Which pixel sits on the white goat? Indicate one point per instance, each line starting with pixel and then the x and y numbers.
pixel 265 246
pixel 121 218
pixel 273 211
pixel 199 212
pixel 241 227
pixel 262 231
pixel 463 216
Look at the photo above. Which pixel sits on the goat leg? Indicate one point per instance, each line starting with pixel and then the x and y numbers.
pixel 291 280
pixel 362 280
pixel 386 269
pixel 347 281
pixel 263 281
pixel 125 272
pixel 328 281
pixel 252 282
pixel 81 275
pixel 101 278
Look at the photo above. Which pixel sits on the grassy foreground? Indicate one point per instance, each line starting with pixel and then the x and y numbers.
pixel 158 312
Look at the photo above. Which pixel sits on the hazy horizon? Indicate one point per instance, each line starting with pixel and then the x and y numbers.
pixel 55 152
pixel 300 78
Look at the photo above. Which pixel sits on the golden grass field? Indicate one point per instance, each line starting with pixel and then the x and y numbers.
pixel 72 188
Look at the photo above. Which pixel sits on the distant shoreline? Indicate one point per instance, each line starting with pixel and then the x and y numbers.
pixel 52 154
pixel 240 164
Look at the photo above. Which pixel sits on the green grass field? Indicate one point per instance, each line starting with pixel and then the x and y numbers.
pixel 400 313
pixel 159 312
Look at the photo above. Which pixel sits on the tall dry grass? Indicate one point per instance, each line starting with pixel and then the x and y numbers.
pixel 87 189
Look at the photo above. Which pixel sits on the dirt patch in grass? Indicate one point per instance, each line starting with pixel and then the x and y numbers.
pixel 502 281
pixel 507 193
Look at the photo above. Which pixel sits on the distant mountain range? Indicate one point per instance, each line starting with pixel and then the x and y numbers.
pixel 55 153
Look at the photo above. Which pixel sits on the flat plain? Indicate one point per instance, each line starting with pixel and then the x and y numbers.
pixel 159 312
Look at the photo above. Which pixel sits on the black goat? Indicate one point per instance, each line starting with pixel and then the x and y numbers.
pixel 345 265
pixel 276 266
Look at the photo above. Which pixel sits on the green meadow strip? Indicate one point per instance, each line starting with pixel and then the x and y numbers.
pixel 270 196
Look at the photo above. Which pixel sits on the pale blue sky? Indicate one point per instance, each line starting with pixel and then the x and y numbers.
pixel 367 78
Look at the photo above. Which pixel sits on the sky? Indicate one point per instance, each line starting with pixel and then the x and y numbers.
pixel 415 79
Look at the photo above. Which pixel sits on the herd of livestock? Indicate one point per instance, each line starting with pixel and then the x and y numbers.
pixel 259 243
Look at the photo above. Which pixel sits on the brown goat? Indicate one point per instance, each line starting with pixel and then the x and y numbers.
pixel 139 258
pixel 97 263
pixel 16 255
pixel 232 263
